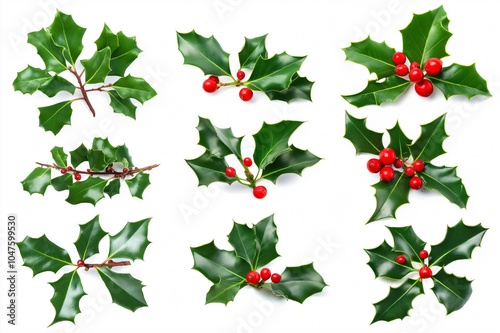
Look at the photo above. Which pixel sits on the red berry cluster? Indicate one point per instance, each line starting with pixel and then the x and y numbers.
pixel 423 86
pixel 254 277
pixel 76 174
pixel 213 83
pixel 258 191
pixel 387 161
pixel 425 271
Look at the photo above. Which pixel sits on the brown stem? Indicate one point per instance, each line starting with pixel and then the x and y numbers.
pixel 82 89
pixel 109 170
pixel 101 88
pixel 107 264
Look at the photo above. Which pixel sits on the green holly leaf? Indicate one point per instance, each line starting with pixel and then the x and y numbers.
pixel 108 150
pixel 426 36
pixel 123 156
pixel 121 105
pixel 219 142
pixel 29 79
pixel 274 73
pixel 55 85
pixel 458 244
pixel 399 142
pixel 54 117
pixel 134 87
pixel 300 88
pixel 377 93
pixel 112 188
pixel 125 290
pixel 59 156
pixel 107 39
pixel 131 242
pixel 253 49
pixel 390 196
pixel 209 169
pixel 430 143
pixel 460 80
pixel 97 67
pixel 138 184
pixel 363 139
pixel 125 54
pixel 68 291
pixel 445 180
pixel 298 283
pixel 41 255
pixel 242 239
pixel 51 54
pixel 272 140
pixel 204 53
pixel 292 161
pixel 88 240
pixel 383 262
pixel 407 241
pixel 62 183
pixel 68 35
pixel 224 291
pixel 37 181
pixel 79 155
pixel 451 291
pixel 398 303
pixel 90 190
pixel 97 160
pixel 375 56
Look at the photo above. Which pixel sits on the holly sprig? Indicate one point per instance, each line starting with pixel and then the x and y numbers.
pixel 275 76
pixel 424 45
pixel 60 45
pixel 254 247
pixel 42 255
pixel 408 261
pixel 273 155
pixel 107 166
pixel 405 165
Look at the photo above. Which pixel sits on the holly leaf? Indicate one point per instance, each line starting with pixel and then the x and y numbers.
pixel 51 54
pixel 138 184
pixel 37 181
pixel 125 290
pixel 134 87
pixel 62 183
pixel 90 190
pixel 266 239
pixel 298 283
pixel 375 56
pixel 108 150
pixel 300 88
pixel 253 49
pixel 53 117
pixel 407 241
pixel 293 161
pixel 59 156
pixel 274 73
pixel 426 36
pixel 204 53
pixel 459 242
pixel 390 196
pixel 41 255
pixel 125 54
pixel 97 67
pixel 242 239
pixel 430 143
pixel 451 291
pixel 209 169
pixel 398 303
pixel 97 160
pixel 383 262
pixel 123 156
pixel 219 142
pixel 224 291
pixel 399 142
pixel 68 291
pixel 460 80
pixel 377 93
pixel 112 188
pixel 131 242
pixel 88 240
pixel 107 39
pixel 363 139
pixel 272 140
pixel 55 84
pixel 445 180
pixel 79 155
pixel 68 35
pixel 29 79
pixel 121 105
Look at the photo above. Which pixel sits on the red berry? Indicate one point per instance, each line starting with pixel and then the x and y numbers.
pixel 246 94
pixel 416 183
pixel 240 75
pixel 398 163
pixel 77 176
pixel 409 171
pixel 80 263
pixel 265 274
pixel 63 171
pixel 247 161
pixel 423 254
pixel 425 272
pixel 387 156
pixel 125 170
pixel 401 70
pixel 275 278
pixel 399 58
pixel 416 75
pixel 259 192
pixel 433 66
pixel 424 88
pixel 374 165
pixel 209 86
pixel 400 259
pixel 387 174
pixel 414 65
pixel 88 170
pixel 213 78
pixel 70 168
pixel 110 261
pixel 253 277
pixel 230 172
pixel 418 165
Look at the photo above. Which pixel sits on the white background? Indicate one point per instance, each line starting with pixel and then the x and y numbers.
pixel 320 216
